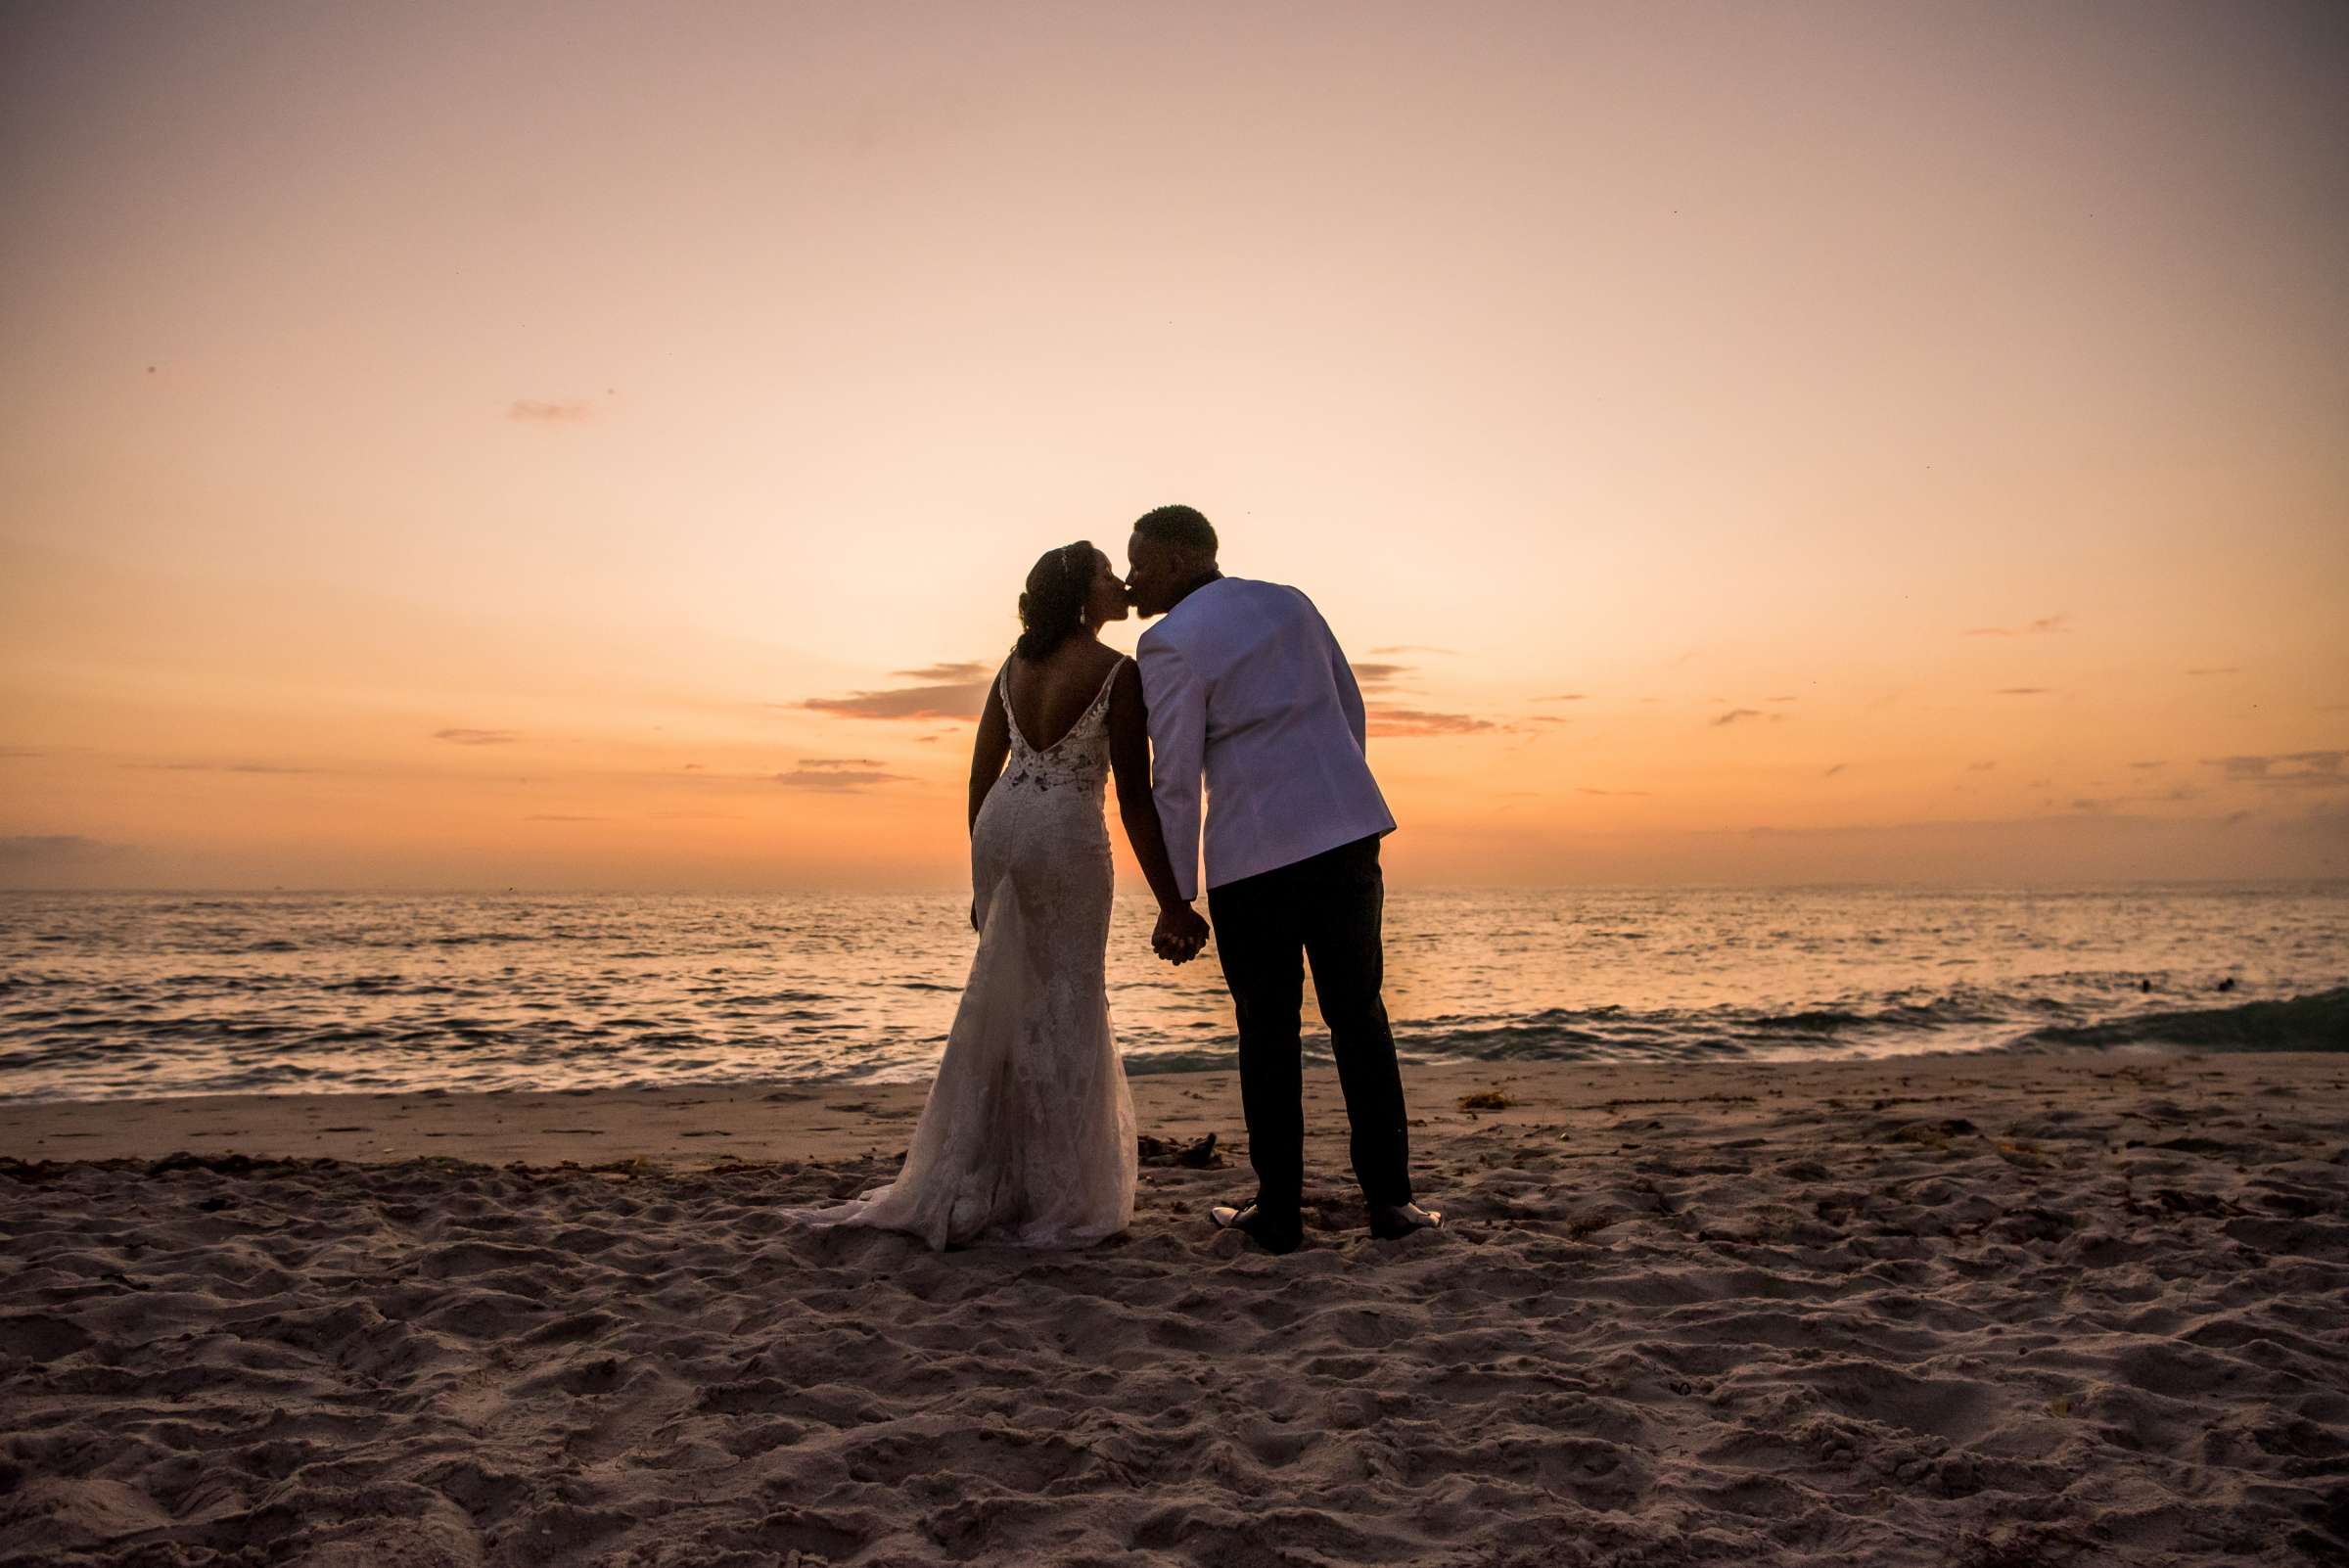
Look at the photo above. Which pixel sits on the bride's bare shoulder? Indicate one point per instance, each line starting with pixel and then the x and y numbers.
pixel 1124 681
pixel 1085 669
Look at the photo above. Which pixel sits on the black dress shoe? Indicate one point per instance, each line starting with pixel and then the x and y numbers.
pixel 1252 1221
pixel 1389 1220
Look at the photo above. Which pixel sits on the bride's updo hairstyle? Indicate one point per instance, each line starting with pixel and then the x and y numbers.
pixel 1054 602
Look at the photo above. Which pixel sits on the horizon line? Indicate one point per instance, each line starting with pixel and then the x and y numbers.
pixel 957 890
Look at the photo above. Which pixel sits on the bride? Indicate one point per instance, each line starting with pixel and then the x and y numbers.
pixel 1028 1135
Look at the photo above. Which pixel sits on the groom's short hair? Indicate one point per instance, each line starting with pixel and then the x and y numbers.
pixel 1185 527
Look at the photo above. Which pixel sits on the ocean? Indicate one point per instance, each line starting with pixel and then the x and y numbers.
pixel 122 995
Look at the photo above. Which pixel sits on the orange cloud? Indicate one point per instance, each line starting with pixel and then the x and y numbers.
pixel 1376 676
pixel 1403 723
pixel 38 853
pixel 2287 770
pixel 949 691
pixel 218 767
pixel 2044 624
pixel 838 774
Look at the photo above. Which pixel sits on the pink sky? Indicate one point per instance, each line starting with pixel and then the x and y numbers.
pixel 455 446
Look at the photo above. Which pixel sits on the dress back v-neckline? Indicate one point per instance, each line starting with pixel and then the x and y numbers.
pixel 1013 719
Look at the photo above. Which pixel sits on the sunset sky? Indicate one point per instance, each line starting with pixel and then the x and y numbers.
pixel 599 447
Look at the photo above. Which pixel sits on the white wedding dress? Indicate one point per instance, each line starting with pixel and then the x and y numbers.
pixel 1028 1135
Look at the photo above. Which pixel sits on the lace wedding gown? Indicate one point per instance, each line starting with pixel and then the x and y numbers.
pixel 1028 1135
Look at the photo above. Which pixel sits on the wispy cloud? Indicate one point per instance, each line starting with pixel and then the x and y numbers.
pixel 835 775
pixel 51 852
pixel 561 817
pixel 550 411
pixel 2058 621
pixel 1584 789
pixel 1838 768
pixel 218 767
pixel 2067 815
pixel 2023 691
pixel 2105 802
pixel 17 751
pixel 1378 677
pixel 460 736
pixel 2321 770
pixel 1414 648
pixel 943 691
pixel 1734 714
pixel 1574 697
pixel 1402 723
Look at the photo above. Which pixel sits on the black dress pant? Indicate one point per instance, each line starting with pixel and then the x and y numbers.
pixel 1329 909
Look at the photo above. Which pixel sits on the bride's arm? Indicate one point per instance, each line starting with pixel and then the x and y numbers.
pixel 989 750
pixel 1137 808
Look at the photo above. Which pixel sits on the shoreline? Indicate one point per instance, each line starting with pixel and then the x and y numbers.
pixel 696 1127
pixel 2308 1022
pixel 766 1115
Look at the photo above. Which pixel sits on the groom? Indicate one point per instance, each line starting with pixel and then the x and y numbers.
pixel 1246 685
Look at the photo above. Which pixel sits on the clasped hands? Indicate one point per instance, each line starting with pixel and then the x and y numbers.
pixel 1181 932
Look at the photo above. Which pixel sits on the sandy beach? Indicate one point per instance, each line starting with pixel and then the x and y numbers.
pixel 1989 1312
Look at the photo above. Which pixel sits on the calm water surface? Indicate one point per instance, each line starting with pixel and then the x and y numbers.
pixel 109 994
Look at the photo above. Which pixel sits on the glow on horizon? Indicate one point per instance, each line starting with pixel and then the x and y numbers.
pixel 486 446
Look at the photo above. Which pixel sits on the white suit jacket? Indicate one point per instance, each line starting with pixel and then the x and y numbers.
pixel 1247 688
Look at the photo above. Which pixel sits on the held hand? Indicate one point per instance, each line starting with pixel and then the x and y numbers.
pixel 1181 932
